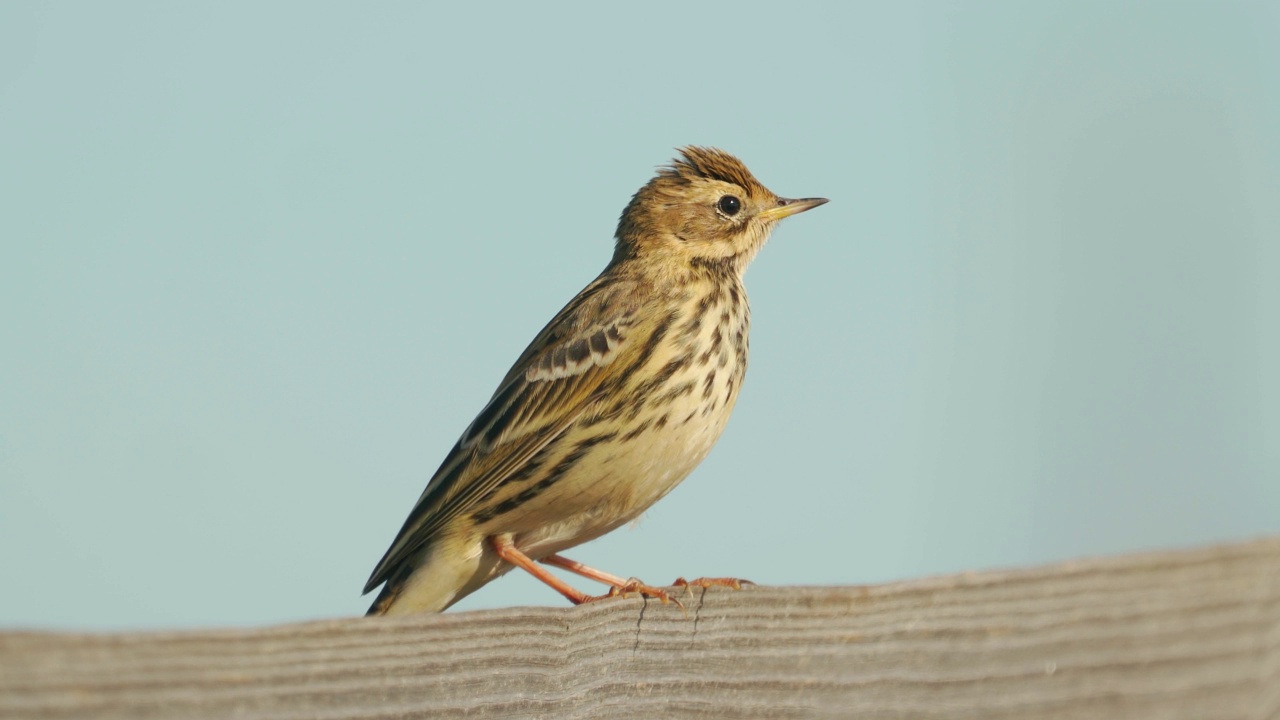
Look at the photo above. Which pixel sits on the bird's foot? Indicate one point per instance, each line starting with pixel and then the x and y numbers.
pixel 709 582
pixel 635 586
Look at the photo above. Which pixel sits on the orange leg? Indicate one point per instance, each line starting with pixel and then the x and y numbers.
pixel 508 552
pixel 617 585
pixel 578 568
pixel 587 571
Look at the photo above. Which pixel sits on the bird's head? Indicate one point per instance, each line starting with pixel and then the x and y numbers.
pixel 706 207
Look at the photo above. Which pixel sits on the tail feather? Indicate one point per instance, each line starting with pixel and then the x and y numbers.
pixel 438 577
pixel 390 591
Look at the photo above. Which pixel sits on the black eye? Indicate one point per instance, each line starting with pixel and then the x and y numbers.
pixel 729 205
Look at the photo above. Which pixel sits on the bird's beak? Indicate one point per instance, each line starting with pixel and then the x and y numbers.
pixel 787 207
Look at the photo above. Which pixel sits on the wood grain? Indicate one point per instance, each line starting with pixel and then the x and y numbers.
pixel 1190 634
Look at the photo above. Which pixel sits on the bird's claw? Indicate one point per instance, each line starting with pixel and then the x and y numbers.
pixel 635 586
pixel 708 582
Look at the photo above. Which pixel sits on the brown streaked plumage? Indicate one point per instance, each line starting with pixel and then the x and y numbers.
pixel 618 398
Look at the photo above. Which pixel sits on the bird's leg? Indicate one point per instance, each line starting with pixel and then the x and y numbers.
pixel 618 585
pixel 506 550
pixel 578 568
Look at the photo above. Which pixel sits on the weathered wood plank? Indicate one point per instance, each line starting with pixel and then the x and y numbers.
pixel 1191 634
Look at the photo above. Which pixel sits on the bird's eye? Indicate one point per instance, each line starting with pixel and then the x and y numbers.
pixel 729 205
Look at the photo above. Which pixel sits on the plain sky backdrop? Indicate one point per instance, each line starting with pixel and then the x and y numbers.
pixel 261 263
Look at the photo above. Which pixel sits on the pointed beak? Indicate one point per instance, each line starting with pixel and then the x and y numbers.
pixel 787 207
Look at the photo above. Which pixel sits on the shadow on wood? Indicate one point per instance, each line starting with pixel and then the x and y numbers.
pixel 1191 634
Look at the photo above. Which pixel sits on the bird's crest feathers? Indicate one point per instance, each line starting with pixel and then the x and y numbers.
pixel 711 164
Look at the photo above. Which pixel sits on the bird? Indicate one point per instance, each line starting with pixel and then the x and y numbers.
pixel 610 407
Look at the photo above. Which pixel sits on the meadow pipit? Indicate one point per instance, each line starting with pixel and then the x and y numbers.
pixel 618 398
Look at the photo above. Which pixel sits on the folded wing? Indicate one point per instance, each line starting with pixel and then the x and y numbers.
pixel 552 384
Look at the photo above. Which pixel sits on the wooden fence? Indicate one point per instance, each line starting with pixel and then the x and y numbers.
pixel 1189 634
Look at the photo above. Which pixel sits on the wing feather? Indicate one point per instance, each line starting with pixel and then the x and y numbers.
pixel 548 388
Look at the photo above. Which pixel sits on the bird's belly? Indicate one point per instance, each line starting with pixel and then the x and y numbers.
pixel 619 479
pixel 646 436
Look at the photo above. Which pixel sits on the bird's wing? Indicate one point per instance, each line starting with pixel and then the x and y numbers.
pixel 548 388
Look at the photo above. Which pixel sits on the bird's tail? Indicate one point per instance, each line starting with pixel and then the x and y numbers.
pixel 445 573
pixel 390 591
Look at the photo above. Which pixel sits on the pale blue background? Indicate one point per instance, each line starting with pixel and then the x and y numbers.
pixel 261 263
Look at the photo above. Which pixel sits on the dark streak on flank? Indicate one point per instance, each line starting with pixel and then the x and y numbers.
pixel 575 455
pixel 636 432
pixel 680 390
pixel 566 464
pixel 649 347
pixel 637 398
pixel 709 385
pixel 693 326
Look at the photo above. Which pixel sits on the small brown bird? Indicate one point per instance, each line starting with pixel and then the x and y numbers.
pixel 618 398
